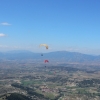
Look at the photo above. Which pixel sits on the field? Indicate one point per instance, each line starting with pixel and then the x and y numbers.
pixel 53 82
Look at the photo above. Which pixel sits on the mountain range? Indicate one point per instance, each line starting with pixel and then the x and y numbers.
pixel 60 56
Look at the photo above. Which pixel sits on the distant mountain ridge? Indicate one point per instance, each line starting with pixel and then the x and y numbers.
pixel 65 56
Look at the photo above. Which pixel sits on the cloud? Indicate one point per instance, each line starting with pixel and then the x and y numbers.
pixel 5 24
pixel 2 35
pixel 3 46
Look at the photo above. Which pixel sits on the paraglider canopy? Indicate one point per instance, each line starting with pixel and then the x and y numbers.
pixel 45 45
pixel 46 61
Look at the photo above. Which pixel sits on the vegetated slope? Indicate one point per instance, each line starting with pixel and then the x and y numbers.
pixel 16 96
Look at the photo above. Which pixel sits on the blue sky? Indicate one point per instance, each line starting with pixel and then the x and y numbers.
pixel 71 25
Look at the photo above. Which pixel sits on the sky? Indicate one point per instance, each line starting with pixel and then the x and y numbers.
pixel 69 25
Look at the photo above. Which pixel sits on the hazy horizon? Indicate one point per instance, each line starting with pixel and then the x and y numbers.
pixel 23 50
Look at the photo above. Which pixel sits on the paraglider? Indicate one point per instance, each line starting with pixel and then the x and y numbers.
pixel 41 54
pixel 45 45
pixel 46 61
